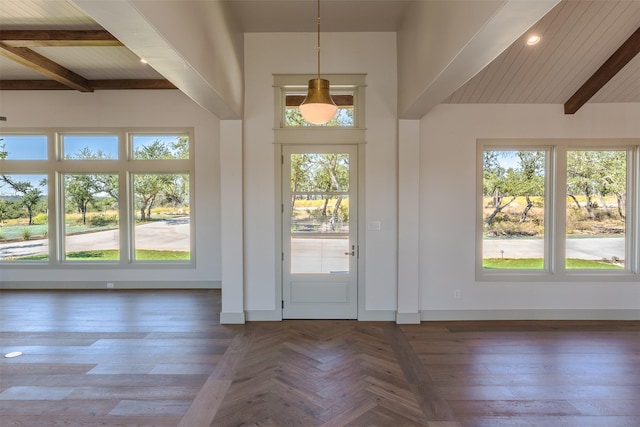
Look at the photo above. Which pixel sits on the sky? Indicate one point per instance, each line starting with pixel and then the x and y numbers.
pixel 34 147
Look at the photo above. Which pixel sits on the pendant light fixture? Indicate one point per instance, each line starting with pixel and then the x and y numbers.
pixel 318 107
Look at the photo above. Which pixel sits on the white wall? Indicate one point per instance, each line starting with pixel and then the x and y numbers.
pixel 342 53
pixel 428 43
pixel 447 212
pixel 162 109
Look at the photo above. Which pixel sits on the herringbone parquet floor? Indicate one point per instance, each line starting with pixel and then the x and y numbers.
pixel 161 358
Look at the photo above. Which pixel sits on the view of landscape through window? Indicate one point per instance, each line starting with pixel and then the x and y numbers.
pixel 514 215
pixel 319 212
pixel 513 209
pixel 91 203
pixel 344 115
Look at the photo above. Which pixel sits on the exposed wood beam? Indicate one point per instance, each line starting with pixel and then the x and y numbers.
pixel 94 84
pixel 131 84
pixel 45 66
pixel 33 38
pixel 32 85
pixel 610 68
pixel 340 100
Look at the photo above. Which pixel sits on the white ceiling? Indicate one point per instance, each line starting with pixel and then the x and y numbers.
pixel 578 36
pixel 258 16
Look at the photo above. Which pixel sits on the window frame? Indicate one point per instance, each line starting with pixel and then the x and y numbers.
pixel 56 166
pixel 555 211
pixel 287 84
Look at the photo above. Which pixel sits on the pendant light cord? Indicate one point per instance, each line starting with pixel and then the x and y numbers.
pixel 318 39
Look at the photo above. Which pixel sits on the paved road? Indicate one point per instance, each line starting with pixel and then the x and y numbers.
pixel 161 235
pixel 174 235
pixel 593 248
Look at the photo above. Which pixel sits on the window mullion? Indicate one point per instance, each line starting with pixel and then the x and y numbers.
pixel 558 227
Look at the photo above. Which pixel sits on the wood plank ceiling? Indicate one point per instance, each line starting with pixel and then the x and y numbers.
pixel 578 36
pixel 54 45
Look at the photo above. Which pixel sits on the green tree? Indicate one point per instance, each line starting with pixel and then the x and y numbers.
pixel 81 190
pixel 4 210
pixel 531 177
pixel 497 183
pixel 300 175
pixel 29 196
pixel 331 176
pixel 614 180
pixel 84 190
pixel 147 189
pixel 172 188
pixel 30 200
pixel 585 172
pixel 176 192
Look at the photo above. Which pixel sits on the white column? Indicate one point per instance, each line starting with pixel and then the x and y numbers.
pixel 408 310
pixel 231 216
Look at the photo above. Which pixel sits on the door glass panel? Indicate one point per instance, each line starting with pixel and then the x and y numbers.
pixel 320 233
pixel 316 172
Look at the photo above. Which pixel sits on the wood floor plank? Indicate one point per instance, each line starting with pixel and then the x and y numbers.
pixel 161 358
pixel 205 405
pixel 434 406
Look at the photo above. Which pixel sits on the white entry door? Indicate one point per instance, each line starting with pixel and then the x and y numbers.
pixel 319 232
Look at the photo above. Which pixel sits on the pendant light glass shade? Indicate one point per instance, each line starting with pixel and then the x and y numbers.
pixel 318 107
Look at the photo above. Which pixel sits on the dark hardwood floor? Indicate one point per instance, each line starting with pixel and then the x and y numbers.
pixel 161 358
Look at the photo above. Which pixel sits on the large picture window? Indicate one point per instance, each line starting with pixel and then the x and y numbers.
pixel 596 209
pixel 91 217
pixel 110 197
pixel 513 203
pixel 161 213
pixel 23 217
pixel 559 211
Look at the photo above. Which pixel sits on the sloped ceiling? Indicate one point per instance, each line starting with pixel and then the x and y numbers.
pixel 577 37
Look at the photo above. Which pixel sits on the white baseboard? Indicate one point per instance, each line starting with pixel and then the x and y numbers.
pixel 133 284
pixel 553 314
pixel 377 315
pixel 263 315
pixel 232 318
pixel 407 318
pixel 364 315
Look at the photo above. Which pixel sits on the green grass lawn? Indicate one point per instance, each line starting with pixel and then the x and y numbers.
pixel 114 255
pixel 537 263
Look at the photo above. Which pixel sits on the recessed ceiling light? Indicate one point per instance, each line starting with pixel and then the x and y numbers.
pixel 144 61
pixel 533 39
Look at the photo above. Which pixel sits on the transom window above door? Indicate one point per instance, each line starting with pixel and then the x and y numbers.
pixel 344 117
pixel 347 92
